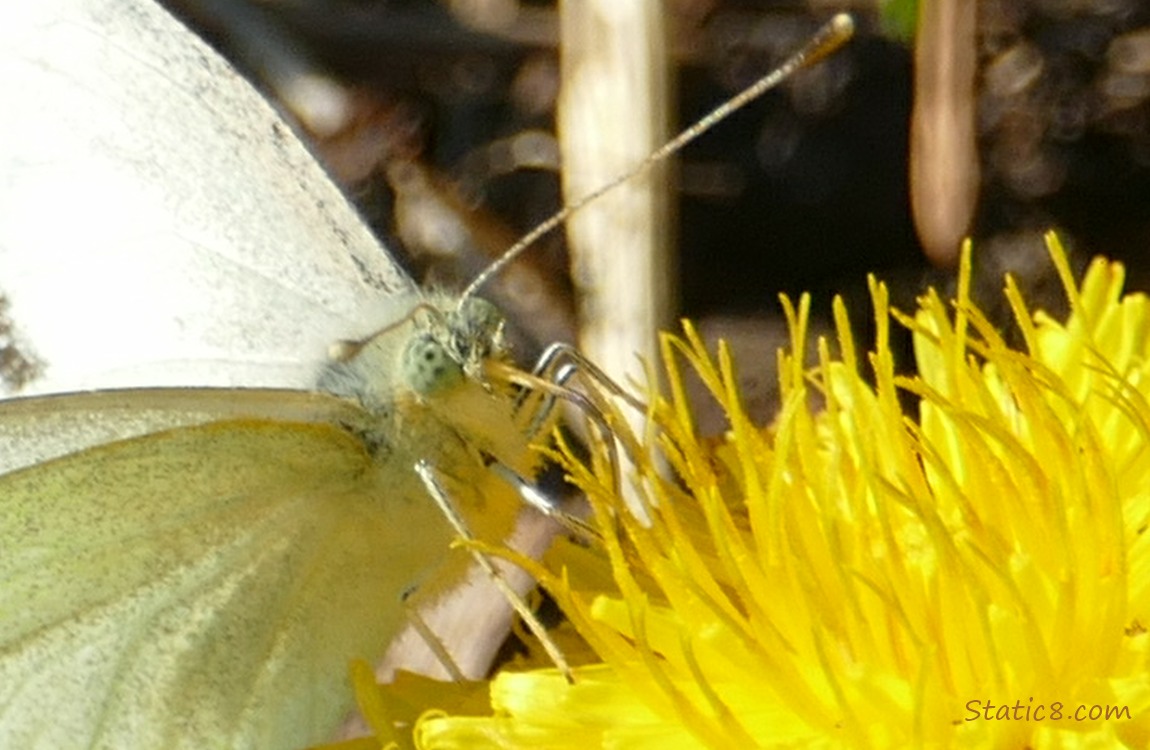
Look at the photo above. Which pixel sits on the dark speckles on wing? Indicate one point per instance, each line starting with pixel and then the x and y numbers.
pixel 18 364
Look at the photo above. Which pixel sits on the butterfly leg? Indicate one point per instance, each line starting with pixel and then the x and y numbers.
pixel 549 383
pixel 432 640
pixel 558 364
pixel 545 504
pixel 434 488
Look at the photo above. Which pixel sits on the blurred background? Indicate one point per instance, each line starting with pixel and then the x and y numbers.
pixel 439 119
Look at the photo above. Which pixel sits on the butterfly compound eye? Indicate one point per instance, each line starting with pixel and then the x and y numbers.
pixel 478 316
pixel 475 329
pixel 427 366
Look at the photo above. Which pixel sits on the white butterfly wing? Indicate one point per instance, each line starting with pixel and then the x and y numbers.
pixel 203 587
pixel 159 223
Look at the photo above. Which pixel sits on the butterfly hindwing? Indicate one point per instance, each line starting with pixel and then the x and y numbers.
pixel 226 571
pixel 41 428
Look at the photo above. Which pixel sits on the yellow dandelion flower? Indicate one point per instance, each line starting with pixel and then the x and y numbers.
pixel 975 576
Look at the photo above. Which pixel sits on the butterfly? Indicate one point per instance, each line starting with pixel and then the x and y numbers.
pixel 204 517
pixel 194 565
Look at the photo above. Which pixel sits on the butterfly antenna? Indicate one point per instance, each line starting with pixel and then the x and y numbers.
pixel 829 38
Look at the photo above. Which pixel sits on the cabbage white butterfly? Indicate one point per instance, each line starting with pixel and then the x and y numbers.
pixel 193 567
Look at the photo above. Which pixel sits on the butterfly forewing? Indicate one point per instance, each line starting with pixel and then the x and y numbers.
pixel 159 223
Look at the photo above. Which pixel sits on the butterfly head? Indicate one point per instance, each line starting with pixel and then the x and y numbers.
pixel 437 347
pixel 453 345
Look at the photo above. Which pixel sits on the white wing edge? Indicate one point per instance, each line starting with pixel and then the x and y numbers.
pixel 40 428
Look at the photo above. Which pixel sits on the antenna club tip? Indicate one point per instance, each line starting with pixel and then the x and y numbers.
pixel 843 25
